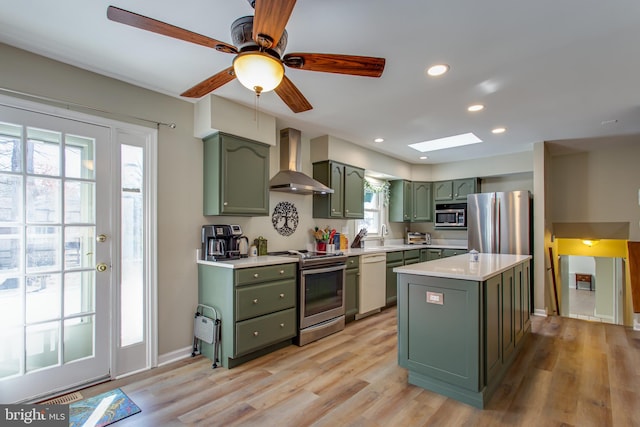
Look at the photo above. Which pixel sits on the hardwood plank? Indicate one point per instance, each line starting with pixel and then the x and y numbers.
pixel 570 372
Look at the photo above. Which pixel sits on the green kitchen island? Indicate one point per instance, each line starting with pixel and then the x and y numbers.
pixel 461 323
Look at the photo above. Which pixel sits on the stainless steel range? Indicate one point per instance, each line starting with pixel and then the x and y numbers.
pixel 321 304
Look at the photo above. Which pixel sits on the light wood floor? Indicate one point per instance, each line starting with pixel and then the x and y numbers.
pixel 570 373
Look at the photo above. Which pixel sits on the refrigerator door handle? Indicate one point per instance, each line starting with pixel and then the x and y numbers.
pixel 497 224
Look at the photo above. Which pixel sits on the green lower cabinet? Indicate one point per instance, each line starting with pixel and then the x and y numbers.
pixel 351 288
pixel 452 252
pixel 466 341
pixel 256 333
pixel 433 254
pixel 493 327
pixel 411 256
pixel 508 337
pixel 447 352
pixel 394 259
pixel 257 308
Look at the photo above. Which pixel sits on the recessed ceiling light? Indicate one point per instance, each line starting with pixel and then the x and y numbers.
pixel 448 142
pixel 499 130
pixel 475 107
pixel 423 157
pixel 378 140
pixel 437 70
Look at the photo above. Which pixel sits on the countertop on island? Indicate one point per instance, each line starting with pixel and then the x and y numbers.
pixel 459 267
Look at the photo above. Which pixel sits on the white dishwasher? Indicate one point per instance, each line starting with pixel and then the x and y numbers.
pixel 372 286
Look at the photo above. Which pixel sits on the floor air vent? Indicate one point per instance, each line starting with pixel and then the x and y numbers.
pixel 63 400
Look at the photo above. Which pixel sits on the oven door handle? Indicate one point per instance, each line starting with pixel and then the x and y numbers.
pixel 324 269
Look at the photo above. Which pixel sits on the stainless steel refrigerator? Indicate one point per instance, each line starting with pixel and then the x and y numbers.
pixel 500 222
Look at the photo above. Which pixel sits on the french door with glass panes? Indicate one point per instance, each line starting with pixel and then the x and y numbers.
pixel 55 254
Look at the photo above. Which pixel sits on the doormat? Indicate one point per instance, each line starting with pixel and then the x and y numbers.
pixel 102 410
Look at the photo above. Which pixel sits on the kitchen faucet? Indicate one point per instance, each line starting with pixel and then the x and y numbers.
pixel 383 232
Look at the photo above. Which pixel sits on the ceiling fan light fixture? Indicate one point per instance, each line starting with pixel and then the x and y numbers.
pixel 258 71
pixel 437 70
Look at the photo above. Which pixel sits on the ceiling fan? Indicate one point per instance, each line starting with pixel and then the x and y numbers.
pixel 261 39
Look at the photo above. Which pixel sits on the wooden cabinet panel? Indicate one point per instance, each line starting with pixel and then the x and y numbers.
pixel 455 190
pixel 256 300
pixel 347 182
pixel 353 192
pixel 508 315
pixel 351 288
pixel 228 188
pixel 493 326
pixel 452 252
pixel 259 332
pixel 247 276
pixel 422 201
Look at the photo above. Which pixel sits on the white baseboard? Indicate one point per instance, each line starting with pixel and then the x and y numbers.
pixel 636 322
pixel 174 356
pixel 540 312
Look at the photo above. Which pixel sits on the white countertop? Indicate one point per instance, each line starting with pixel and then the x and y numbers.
pixel 398 247
pixel 459 266
pixel 257 261
pixel 273 260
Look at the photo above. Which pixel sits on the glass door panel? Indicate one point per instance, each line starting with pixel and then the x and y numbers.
pixel 55 304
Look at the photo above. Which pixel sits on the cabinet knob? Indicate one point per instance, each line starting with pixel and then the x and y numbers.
pixel 255 301
pixel 346 210
pixel 456 195
pixel 281 271
pixel 351 262
pixel 255 333
pixel 281 295
pixel 282 325
pixel 333 210
pixel 449 194
pixel 256 275
pixel 225 204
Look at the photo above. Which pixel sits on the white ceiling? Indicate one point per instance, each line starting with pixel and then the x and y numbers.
pixel 545 69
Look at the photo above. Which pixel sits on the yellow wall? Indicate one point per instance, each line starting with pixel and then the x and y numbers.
pixel 603 248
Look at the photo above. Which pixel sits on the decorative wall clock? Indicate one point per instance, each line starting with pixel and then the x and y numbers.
pixel 285 218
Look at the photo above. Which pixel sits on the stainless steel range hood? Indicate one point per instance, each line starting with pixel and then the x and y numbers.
pixel 290 179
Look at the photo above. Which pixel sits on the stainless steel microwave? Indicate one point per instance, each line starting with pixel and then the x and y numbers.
pixel 451 215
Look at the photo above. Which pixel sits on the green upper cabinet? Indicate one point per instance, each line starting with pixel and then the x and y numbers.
pixel 353 192
pixel 456 190
pixel 400 201
pixel 422 201
pixel 410 201
pixel 236 176
pixel 347 182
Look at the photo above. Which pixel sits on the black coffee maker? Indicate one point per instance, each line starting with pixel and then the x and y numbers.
pixel 220 242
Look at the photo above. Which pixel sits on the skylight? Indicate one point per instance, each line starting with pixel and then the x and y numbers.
pixel 448 142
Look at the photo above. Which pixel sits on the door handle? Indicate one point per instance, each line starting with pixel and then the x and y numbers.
pixel 102 267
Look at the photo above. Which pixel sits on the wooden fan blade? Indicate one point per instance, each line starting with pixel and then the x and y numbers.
pixel 291 96
pixel 334 63
pixel 149 24
pixel 210 84
pixel 270 18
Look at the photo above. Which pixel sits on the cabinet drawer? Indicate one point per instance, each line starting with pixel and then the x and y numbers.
pixel 247 276
pixel 394 256
pixel 353 263
pixel 453 252
pixel 256 333
pixel 252 301
pixel 412 254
